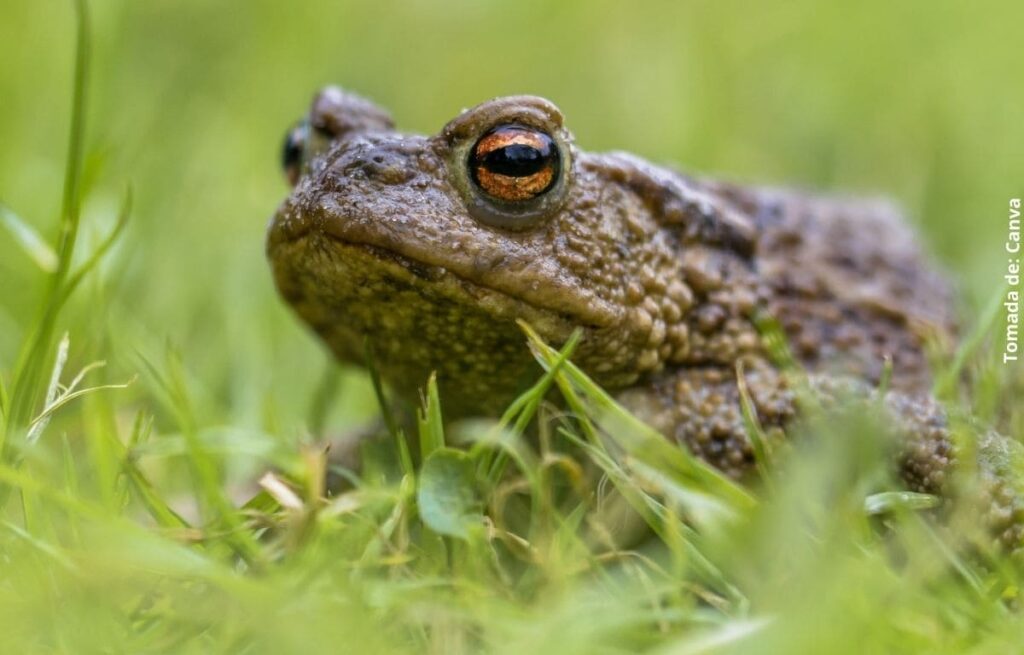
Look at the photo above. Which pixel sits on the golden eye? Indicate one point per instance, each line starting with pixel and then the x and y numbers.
pixel 514 163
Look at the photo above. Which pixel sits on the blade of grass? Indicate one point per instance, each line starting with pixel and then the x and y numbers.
pixel 71 487
pixel 4 406
pixel 657 516
pixel 68 397
pixel 752 425
pixel 945 384
pixel 206 480
pixel 323 395
pixel 26 236
pixel 47 549
pixel 39 424
pixel 640 440
pixel 525 406
pixel 27 387
pixel 134 479
pixel 429 420
pixel 401 444
pixel 151 500
pixel 122 221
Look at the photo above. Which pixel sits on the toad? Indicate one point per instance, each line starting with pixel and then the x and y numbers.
pixel 428 249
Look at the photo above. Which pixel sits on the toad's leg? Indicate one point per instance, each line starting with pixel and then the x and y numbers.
pixel 701 409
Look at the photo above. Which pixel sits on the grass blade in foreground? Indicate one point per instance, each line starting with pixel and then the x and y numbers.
pixel 718 497
pixel 28 386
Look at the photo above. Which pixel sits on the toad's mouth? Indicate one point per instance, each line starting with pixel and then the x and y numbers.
pixel 444 280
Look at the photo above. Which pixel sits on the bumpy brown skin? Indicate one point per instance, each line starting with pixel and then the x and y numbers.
pixel 385 241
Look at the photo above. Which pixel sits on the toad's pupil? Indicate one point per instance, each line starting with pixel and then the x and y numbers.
pixel 517 160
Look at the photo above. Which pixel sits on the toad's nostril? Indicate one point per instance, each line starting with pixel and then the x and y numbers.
pixel 382 165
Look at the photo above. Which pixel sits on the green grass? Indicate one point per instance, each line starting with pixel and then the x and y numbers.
pixel 162 473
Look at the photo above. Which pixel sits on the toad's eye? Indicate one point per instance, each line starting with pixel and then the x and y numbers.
pixel 514 163
pixel 293 150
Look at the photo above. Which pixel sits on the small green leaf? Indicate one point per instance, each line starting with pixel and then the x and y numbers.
pixel 447 494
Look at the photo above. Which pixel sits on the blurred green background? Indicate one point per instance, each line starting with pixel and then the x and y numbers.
pixel 189 100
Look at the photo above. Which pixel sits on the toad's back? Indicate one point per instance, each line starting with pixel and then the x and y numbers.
pixel 847 282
